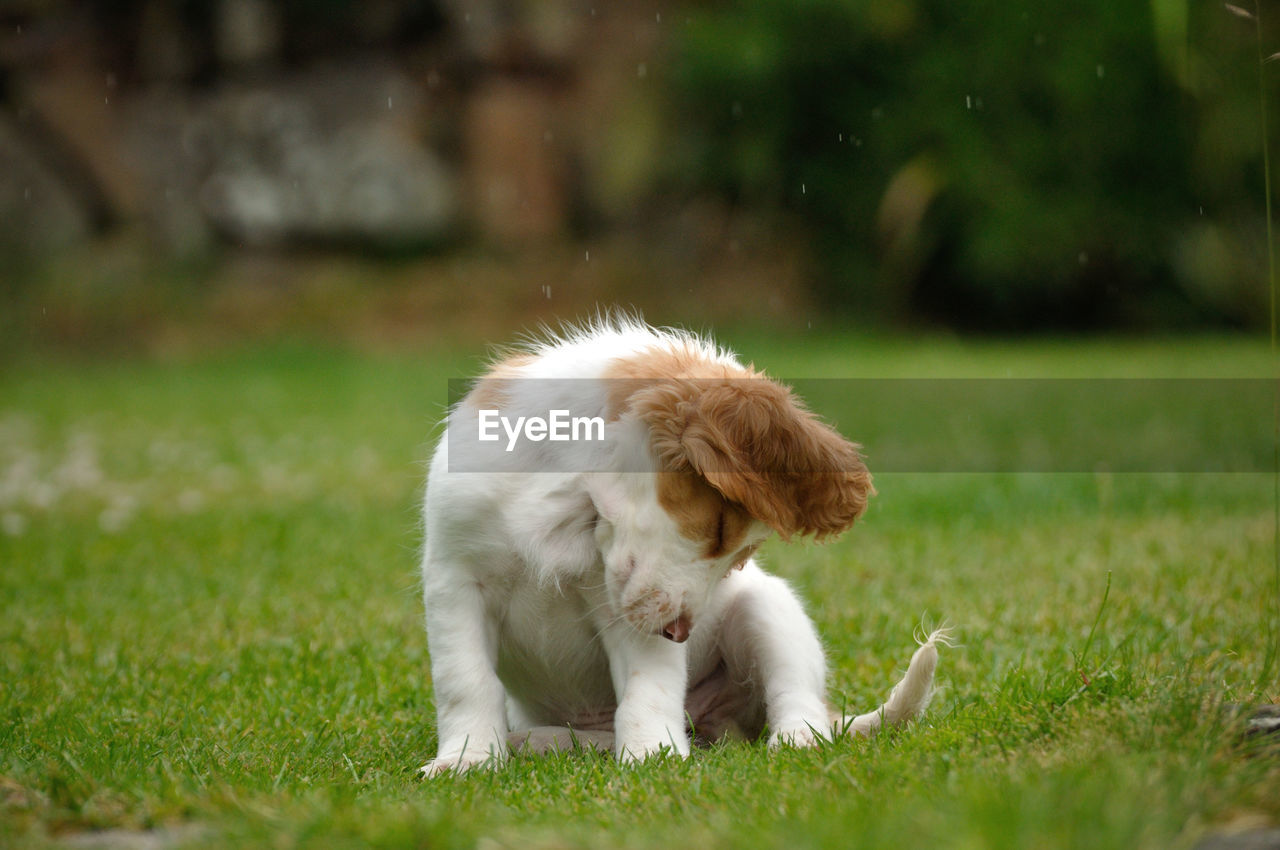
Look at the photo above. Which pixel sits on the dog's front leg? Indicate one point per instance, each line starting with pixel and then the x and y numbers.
pixel 650 677
pixel 470 699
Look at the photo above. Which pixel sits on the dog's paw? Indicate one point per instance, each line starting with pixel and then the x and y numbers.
pixel 459 764
pixel 801 735
pixel 635 752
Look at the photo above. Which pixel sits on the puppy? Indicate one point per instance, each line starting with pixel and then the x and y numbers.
pixel 591 516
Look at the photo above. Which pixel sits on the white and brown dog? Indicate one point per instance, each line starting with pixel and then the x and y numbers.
pixel 588 570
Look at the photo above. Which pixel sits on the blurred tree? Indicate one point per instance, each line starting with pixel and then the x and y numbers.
pixel 1039 166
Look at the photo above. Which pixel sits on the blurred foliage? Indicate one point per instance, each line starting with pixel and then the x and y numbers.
pixel 1070 164
pixel 1066 164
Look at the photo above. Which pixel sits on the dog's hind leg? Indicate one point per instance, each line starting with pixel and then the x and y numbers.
pixel 770 645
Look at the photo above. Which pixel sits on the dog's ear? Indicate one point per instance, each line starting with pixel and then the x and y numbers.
pixel 756 443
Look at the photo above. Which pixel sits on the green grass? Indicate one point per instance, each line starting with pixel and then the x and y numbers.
pixel 209 615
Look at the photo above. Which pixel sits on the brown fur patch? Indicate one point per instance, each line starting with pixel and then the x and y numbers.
pixel 490 391
pixel 663 363
pixel 701 513
pixel 748 437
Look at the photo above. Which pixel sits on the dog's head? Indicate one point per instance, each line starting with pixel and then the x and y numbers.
pixel 734 457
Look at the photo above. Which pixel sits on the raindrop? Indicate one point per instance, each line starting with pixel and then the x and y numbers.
pixel 588 255
pixel 802 191
pixel 659 17
pixel 968 102
pixel 26 194
pixel 1083 258
pixel 736 109
pixel 839 137
pixel 642 70
pixel 1102 72
pixel 388 103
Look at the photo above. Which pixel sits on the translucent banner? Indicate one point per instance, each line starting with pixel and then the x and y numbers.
pixel 903 425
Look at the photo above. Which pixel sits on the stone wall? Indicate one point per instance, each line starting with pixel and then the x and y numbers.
pixel 389 125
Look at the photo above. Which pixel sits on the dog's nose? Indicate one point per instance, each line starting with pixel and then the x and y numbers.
pixel 678 629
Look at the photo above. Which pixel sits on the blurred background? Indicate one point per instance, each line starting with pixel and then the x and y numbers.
pixel 174 173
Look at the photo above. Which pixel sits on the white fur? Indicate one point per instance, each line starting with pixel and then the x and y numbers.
pixel 546 593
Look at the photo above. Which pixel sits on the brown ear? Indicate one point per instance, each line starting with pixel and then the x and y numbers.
pixel 756 444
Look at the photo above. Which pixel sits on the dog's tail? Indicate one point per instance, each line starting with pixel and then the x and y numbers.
pixel 910 697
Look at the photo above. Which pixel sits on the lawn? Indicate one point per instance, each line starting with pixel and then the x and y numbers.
pixel 211 635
